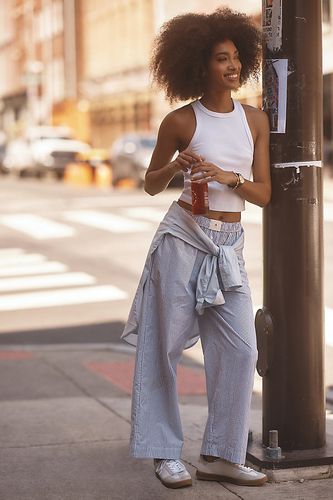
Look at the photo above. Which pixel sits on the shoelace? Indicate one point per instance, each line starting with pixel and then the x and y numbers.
pixel 174 466
pixel 246 468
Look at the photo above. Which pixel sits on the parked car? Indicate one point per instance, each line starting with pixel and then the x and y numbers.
pixel 130 156
pixel 53 147
pixel 42 150
pixel 18 158
pixel 48 132
pixel 2 150
pixel 51 155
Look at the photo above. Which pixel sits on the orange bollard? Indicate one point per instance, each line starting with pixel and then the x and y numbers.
pixel 103 175
pixel 78 174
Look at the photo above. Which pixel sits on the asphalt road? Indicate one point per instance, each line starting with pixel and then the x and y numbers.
pixel 70 260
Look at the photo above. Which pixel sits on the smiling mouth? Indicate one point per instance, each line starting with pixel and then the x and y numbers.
pixel 232 77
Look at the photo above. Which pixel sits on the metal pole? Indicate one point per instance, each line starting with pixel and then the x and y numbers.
pixel 290 325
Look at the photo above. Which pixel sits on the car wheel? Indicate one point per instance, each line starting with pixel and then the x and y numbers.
pixel 140 183
pixel 59 176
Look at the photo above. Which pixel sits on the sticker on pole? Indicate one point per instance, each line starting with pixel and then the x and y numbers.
pixel 272 23
pixel 275 94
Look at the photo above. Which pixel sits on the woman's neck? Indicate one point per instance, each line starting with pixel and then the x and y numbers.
pixel 220 103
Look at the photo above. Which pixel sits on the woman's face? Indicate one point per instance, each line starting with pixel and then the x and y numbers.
pixel 224 67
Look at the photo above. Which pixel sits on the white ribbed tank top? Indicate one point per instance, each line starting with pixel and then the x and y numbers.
pixel 224 139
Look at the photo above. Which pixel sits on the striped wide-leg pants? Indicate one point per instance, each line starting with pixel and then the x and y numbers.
pixel 230 353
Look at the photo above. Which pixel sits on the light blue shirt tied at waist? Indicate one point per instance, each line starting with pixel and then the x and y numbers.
pixel 180 224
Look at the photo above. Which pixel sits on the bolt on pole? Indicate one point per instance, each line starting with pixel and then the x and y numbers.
pixel 290 325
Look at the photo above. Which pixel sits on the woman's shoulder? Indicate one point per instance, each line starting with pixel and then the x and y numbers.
pixel 255 113
pixel 180 115
pixel 256 117
pixel 179 122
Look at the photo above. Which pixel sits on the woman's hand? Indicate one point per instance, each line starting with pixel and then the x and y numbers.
pixel 208 172
pixel 185 160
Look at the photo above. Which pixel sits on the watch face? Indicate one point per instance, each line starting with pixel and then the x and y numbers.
pixel 241 179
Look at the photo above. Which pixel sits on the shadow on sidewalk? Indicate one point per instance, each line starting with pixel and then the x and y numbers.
pixel 96 333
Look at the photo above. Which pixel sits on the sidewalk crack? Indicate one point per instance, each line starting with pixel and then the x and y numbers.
pixel 233 492
pixel 220 483
pixel 64 443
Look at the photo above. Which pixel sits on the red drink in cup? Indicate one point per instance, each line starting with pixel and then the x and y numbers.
pixel 199 197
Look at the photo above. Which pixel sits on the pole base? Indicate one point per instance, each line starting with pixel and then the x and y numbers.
pixel 256 455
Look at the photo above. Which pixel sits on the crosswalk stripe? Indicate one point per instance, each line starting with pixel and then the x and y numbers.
pixel 71 296
pixel 45 281
pixel 328 212
pixel 37 268
pixel 108 222
pixel 145 213
pixel 5 252
pixel 22 259
pixel 38 227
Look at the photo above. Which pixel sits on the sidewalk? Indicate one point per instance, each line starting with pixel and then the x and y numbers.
pixel 65 423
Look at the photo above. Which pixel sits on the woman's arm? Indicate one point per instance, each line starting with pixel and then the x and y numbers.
pixel 161 169
pixel 257 191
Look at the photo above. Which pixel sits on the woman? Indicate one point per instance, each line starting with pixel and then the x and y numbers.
pixel 194 282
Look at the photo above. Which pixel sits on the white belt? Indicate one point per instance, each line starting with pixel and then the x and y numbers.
pixel 215 224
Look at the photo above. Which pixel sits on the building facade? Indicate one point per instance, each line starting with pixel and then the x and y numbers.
pixel 13 88
pixel 115 47
pixel 38 73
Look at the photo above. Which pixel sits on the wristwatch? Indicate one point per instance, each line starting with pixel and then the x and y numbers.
pixel 240 180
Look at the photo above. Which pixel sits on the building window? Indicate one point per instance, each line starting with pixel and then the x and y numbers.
pixel 49 21
pixel 58 18
pixel 6 21
pixel 58 79
pixel 44 24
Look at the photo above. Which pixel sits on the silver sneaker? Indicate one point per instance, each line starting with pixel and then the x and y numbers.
pixel 221 470
pixel 172 473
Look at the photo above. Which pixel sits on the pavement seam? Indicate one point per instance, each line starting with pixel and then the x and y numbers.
pixel 83 390
pixel 230 491
pixel 67 347
pixel 69 443
pixel 218 482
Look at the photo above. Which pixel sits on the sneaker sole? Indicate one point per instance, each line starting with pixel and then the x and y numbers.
pixel 205 476
pixel 178 484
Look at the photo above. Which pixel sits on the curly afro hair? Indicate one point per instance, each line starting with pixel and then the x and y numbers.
pixel 183 47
